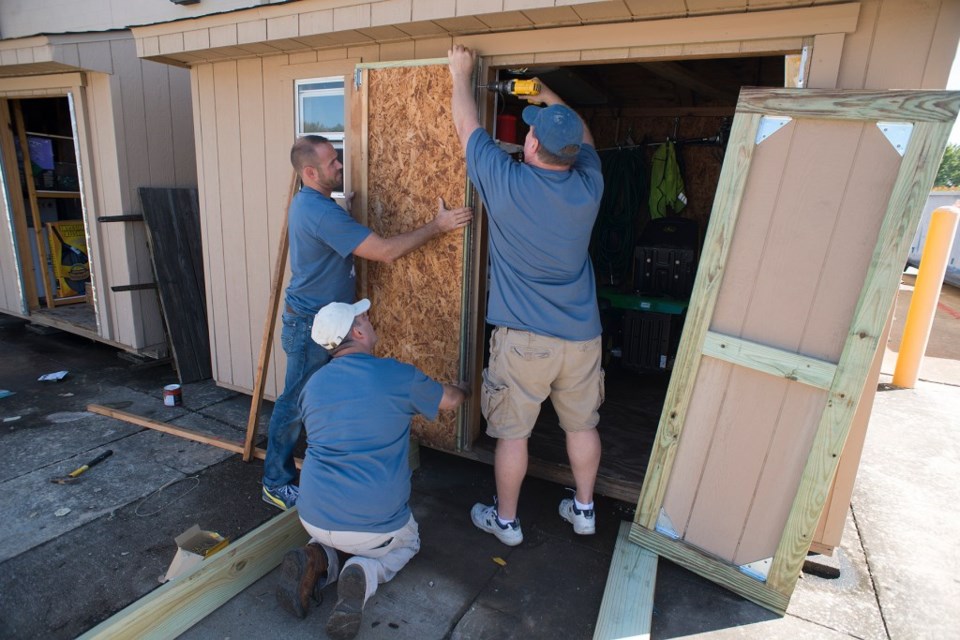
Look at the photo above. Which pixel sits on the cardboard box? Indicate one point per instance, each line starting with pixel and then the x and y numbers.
pixel 193 545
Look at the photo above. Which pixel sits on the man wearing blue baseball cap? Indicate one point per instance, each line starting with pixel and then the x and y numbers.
pixel 542 297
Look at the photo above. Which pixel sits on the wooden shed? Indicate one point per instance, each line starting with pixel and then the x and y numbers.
pixel 800 201
pixel 84 123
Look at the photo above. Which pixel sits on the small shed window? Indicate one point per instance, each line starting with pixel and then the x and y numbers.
pixel 320 110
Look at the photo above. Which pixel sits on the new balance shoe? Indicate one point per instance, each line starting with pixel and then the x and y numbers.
pixel 584 522
pixel 300 575
pixel 282 497
pixel 485 518
pixel 344 621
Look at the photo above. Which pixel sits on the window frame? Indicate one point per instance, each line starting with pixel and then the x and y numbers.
pixel 336 138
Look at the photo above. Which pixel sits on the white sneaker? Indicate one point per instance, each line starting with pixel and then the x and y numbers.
pixel 485 518
pixel 584 522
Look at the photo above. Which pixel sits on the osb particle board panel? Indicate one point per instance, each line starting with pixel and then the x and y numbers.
pixel 414 157
pixel 810 230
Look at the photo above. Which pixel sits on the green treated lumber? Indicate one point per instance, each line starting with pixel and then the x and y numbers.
pixel 844 104
pixel 627 607
pixel 722 573
pixel 181 603
pixel 769 360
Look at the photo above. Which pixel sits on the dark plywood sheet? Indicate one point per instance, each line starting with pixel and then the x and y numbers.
pixel 414 157
pixel 172 218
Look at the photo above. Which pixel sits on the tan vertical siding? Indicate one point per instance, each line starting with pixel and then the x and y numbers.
pixel 901 43
pixel 278 136
pixel 210 214
pixel 253 175
pixel 232 230
pixel 943 48
pixel 105 190
pixel 261 89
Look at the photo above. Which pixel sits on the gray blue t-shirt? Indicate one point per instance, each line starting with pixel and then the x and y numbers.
pixel 357 411
pixel 541 278
pixel 322 239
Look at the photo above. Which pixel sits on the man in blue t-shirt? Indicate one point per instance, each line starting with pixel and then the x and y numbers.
pixel 355 481
pixel 542 297
pixel 323 242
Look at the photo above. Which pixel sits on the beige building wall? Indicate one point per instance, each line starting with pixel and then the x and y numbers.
pixel 134 128
pixel 244 177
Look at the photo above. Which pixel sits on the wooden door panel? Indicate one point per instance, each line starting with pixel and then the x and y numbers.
pixel 413 157
pixel 815 209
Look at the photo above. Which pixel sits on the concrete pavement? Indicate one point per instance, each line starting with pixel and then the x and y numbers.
pixel 60 575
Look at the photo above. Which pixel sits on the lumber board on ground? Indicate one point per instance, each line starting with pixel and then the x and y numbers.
pixel 181 603
pixel 229 445
pixel 627 607
pixel 237 447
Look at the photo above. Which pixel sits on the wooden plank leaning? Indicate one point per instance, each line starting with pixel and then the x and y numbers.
pixel 269 326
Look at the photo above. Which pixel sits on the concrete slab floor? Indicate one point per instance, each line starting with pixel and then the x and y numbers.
pixel 60 575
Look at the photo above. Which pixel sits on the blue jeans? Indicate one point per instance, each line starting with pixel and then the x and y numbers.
pixel 304 357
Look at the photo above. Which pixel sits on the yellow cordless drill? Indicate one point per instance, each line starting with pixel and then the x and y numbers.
pixel 516 87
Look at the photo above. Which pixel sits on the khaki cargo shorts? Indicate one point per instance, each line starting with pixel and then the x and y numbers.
pixel 526 368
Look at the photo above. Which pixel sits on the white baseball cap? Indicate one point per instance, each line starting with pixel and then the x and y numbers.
pixel 332 323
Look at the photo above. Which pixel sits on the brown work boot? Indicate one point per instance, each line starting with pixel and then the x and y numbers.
pixel 299 575
pixel 344 621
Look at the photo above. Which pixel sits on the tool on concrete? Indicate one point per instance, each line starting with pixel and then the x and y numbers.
pixel 74 475
pixel 516 87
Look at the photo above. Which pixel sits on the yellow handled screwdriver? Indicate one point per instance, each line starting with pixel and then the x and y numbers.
pixel 73 475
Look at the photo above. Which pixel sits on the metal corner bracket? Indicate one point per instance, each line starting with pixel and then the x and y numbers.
pixel 897 134
pixel 769 125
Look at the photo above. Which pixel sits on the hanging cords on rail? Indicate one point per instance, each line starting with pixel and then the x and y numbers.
pixel 719 140
pixel 625 180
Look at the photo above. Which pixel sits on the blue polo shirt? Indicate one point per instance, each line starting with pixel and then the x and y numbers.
pixel 540 221
pixel 357 411
pixel 322 239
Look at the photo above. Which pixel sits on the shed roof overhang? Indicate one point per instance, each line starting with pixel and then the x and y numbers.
pixel 46 54
pixel 313 24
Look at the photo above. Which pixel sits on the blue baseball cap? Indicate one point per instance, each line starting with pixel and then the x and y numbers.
pixel 556 127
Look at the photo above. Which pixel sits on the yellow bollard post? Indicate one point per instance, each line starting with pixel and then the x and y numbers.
pixel 926 294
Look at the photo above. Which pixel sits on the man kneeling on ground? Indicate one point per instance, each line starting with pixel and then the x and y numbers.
pixel 355 481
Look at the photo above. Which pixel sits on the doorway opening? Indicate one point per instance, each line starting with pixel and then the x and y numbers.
pixel 661 130
pixel 47 210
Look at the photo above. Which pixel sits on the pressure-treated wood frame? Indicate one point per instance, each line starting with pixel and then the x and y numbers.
pixel 928 118
pixel 179 604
